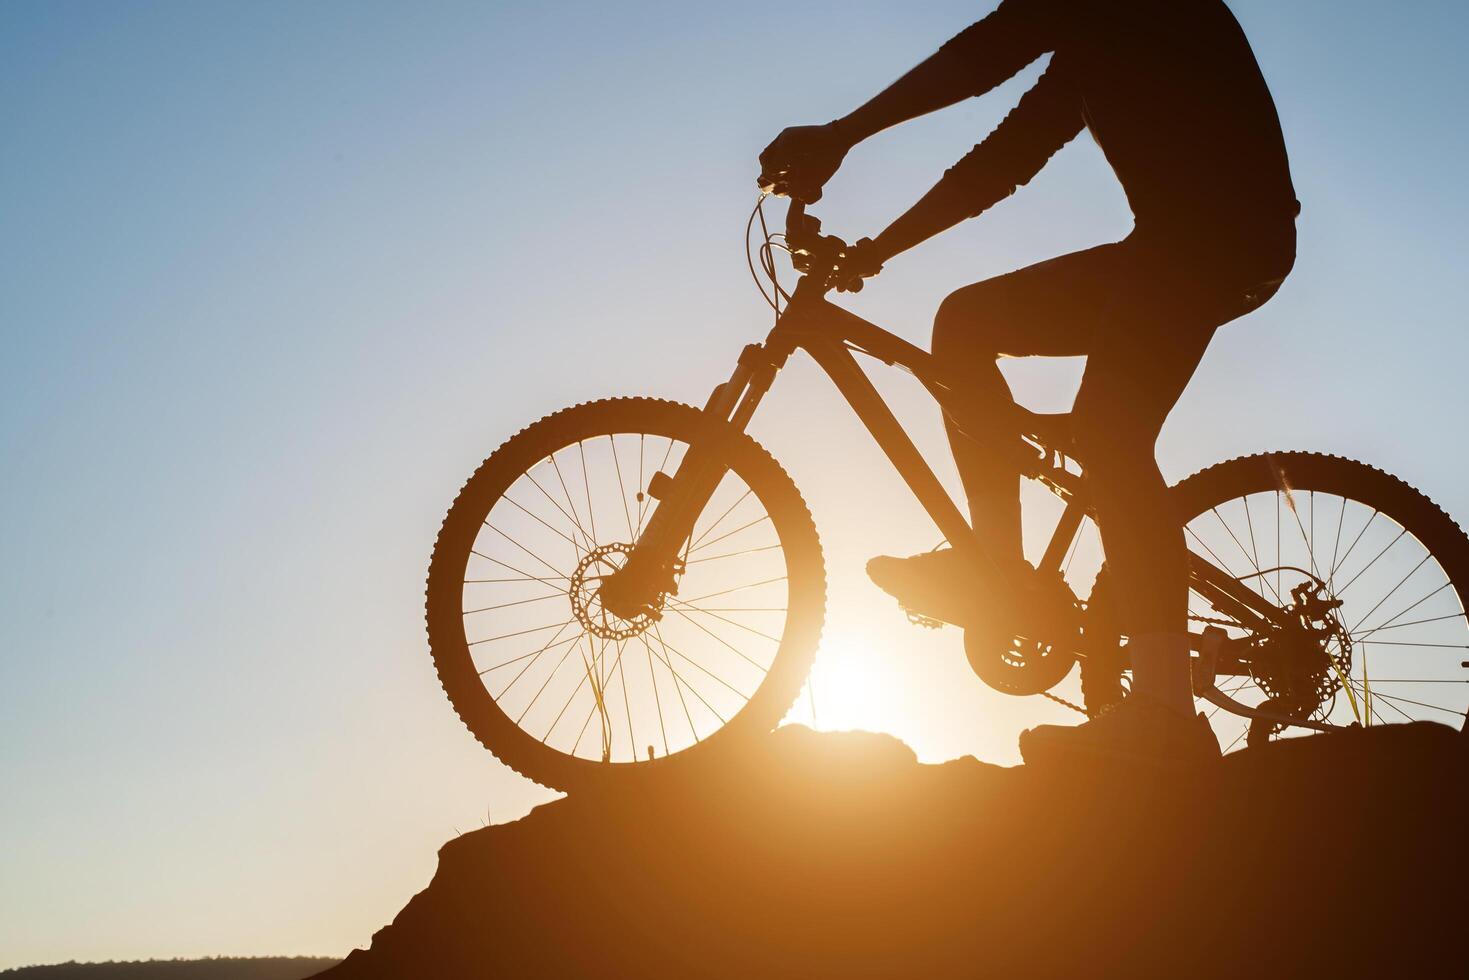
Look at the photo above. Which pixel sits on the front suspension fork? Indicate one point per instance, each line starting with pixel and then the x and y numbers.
pixel 683 495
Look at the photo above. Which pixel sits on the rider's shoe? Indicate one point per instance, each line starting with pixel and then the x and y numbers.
pixel 941 585
pixel 1138 730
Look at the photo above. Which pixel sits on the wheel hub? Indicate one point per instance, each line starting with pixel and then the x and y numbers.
pixel 1296 665
pixel 599 600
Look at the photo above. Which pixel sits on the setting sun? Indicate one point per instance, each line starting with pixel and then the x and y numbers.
pixel 447 446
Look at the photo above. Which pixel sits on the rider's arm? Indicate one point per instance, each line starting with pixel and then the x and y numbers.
pixel 974 61
pixel 1047 118
pixel 802 159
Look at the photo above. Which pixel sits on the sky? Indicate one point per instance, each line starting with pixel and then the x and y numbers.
pixel 275 277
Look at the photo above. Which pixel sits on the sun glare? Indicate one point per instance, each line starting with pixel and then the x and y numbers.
pixel 847 687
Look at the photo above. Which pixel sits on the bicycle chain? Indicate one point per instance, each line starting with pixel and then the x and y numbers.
pixel 1063 702
pixel 1082 711
pixel 1214 622
pixel 924 621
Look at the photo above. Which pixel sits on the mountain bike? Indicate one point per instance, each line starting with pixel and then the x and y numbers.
pixel 633 584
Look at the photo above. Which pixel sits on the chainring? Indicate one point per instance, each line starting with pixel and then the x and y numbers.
pixel 1038 658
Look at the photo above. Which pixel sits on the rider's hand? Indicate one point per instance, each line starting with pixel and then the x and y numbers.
pixel 801 160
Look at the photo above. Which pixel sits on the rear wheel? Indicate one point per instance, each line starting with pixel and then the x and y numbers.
pixel 1377 571
pixel 568 693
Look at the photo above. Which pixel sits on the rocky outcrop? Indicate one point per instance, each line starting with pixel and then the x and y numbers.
pixel 840 855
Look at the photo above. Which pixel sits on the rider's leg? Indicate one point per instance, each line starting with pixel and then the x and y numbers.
pixel 1049 309
pixel 1029 312
pixel 1128 390
pixel 992 487
pixel 1144 332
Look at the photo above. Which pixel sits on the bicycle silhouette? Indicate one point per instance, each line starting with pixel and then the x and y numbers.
pixel 632 584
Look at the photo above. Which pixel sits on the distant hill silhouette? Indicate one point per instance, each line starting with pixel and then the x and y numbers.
pixel 214 968
pixel 840 855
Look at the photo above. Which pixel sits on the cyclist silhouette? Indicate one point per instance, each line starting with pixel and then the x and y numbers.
pixel 1172 93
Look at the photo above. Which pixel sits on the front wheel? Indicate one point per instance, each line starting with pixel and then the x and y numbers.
pixel 1375 573
pixel 568 693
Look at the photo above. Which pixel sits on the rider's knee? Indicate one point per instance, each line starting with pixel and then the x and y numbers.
pixel 960 334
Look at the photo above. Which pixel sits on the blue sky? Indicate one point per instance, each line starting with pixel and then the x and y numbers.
pixel 274 277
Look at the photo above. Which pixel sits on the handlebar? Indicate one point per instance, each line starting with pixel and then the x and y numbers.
pixel 796 219
pixel 814 254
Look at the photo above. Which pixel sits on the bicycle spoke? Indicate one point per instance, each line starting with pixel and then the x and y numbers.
pixel 518 602
pixel 730 534
pixel 1310 549
pixel 507 636
pixel 1071 552
pixel 1229 571
pixel 694 544
pixel 657 701
pixel 525 575
pixel 1336 547
pixel 1422 704
pixel 732 648
pixel 644 506
pixel 737 588
pixel 586 482
pixel 621 489
pixel 726 619
pixel 599 706
pixel 641 497
pixel 779 609
pixel 1230 693
pixel 1254 562
pixel 580 549
pixel 1419 680
pixel 1237 739
pixel 534 653
pixel 586 675
pixel 632 741
pixel 558 573
pixel 1279 558
pixel 677 688
pixel 1415 605
pixel 514 680
pixel 1342 591
pixel 596 703
pixel 536 517
pixel 1353 546
pixel 1392 593
pixel 576 518
pixel 713 676
pixel 1254 549
pixel 734 554
pixel 667 662
pixel 1403 714
pixel 1432 646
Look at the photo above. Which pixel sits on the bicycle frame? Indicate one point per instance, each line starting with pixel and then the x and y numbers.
pixel 831 335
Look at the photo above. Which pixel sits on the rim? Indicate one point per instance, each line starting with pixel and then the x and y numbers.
pixel 582 681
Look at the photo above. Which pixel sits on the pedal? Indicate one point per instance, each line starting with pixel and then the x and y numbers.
pixel 918 619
